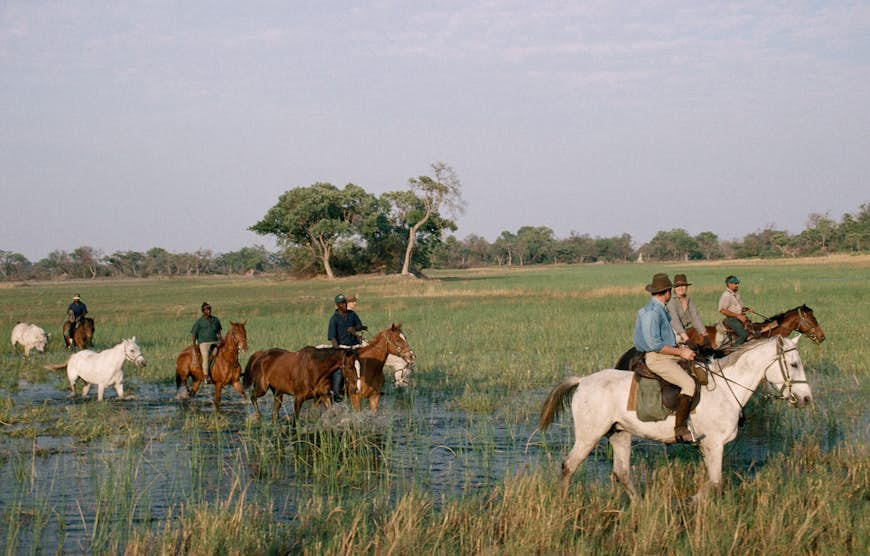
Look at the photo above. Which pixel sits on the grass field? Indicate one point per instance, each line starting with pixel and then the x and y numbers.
pixel 490 344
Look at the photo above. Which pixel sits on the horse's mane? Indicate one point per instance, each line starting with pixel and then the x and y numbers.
pixel 732 357
pixel 779 316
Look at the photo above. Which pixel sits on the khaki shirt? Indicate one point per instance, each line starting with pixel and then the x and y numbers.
pixel 730 301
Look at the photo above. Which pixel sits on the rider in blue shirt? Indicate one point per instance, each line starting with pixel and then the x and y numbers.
pixel 654 336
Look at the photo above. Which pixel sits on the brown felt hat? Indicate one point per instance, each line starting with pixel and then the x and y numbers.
pixel 680 280
pixel 660 283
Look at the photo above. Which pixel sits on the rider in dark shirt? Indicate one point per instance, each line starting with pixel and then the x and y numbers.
pixel 343 327
pixel 74 314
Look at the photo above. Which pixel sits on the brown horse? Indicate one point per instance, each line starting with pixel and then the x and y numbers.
pixel 800 319
pixel 83 335
pixel 225 370
pixel 368 380
pixel 302 374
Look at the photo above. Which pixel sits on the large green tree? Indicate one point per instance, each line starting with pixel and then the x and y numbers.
pixel 315 217
pixel 422 204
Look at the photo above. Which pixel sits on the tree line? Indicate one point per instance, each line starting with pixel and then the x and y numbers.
pixel 325 230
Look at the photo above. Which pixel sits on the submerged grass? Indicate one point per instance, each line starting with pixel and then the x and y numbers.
pixel 146 476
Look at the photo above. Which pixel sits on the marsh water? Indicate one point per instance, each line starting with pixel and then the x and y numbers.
pixel 169 455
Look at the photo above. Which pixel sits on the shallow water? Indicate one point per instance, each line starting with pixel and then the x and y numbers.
pixel 64 484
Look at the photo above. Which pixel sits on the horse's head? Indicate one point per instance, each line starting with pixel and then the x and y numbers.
pixel 133 353
pixel 809 326
pixel 239 335
pixel 348 364
pixel 397 344
pixel 786 374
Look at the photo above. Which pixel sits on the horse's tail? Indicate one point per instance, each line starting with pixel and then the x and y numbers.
pixel 57 367
pixel 557 400
pixel 247 378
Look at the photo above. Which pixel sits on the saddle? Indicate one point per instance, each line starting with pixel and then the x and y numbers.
pixel 653 397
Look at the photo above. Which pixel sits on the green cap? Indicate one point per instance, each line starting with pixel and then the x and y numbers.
pixel 732 280
pixel 340 298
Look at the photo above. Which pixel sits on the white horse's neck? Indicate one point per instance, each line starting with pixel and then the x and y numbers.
pixel 743 375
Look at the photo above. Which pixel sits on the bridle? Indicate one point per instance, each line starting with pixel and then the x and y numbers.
pixel 780 392
pixel 787 380
pixel 236 343
pixel 406 354
pixel 810 330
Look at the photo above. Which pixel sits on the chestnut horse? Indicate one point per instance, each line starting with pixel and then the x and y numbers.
pixel 368 378
pixel 800 319
pixel 83 335
pixel 300 374
pixel 225 370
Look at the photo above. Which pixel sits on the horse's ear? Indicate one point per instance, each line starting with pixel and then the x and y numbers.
pixel 133 339
pixel 244 322
pixel 397 326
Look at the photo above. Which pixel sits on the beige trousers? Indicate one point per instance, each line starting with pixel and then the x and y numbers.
pixel 666 366
pixel 204 349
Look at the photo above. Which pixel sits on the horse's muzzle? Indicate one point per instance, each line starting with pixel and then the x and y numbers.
pixel 798 400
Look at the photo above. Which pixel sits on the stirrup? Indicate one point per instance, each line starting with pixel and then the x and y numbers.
pixel 688 437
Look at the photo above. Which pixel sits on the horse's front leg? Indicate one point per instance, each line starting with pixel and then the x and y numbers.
pixel 374 402
pixel 277 402
pixel 621 444
pixel 119 389
pixel 101 389
pixel 238 386
pixel 712 453
pixel 217 395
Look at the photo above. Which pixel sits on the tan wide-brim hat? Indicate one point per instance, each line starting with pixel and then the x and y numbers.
pixel 680 280
pixel 660 283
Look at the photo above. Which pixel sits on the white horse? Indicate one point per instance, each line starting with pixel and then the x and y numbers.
pixel 599 409
pixel 103 368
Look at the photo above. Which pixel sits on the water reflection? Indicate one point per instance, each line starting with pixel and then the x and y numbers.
pixel 167 452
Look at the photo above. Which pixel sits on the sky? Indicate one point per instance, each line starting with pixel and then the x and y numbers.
pixel 131 125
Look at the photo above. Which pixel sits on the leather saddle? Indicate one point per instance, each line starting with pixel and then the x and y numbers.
pixel 670 392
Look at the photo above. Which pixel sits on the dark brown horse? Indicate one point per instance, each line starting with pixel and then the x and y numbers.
pixel 302 374
pixel 800 318
pixel 225 369
pixel 83 335
pixel 370 378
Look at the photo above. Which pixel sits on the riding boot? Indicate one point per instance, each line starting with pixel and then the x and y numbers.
pixel 681 431
pixel 337 386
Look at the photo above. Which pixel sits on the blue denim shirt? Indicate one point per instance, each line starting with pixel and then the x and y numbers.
pixel 652 329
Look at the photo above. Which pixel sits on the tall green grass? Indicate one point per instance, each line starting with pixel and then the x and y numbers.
pixel 490 344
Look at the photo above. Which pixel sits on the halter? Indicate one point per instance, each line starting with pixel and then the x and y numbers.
pixel 127 353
